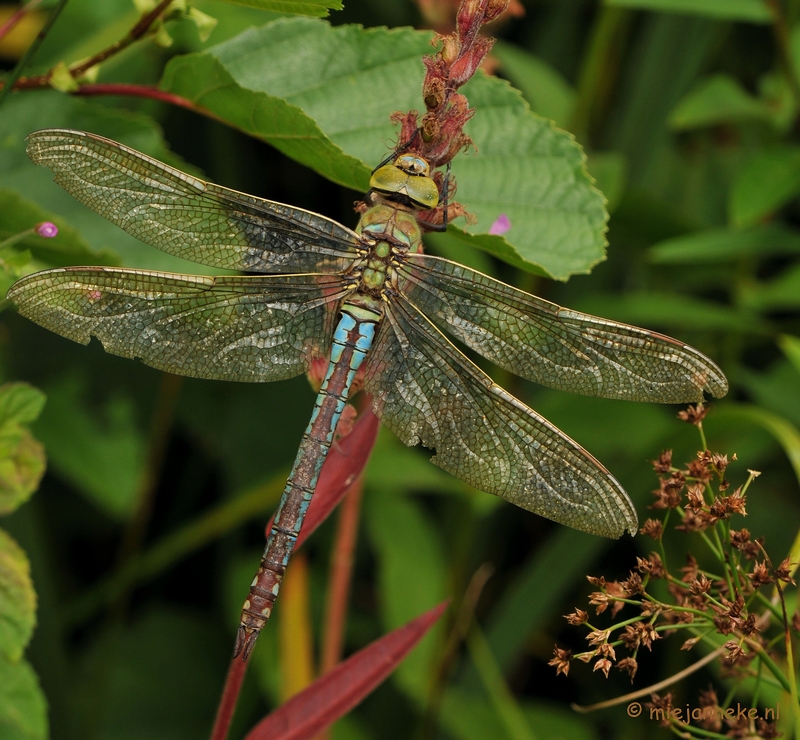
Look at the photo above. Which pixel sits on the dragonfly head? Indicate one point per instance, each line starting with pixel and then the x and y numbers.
pixel 407 180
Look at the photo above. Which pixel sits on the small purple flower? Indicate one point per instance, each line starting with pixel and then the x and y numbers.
pixel 46 229
pixel 501 225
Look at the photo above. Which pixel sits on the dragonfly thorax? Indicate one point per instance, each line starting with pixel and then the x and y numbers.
pixel 407 180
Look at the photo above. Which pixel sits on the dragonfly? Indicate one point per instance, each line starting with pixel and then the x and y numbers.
pixel 376 307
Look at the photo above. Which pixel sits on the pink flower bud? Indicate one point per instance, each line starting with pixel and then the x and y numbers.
pixel 501 225
pixel 46 229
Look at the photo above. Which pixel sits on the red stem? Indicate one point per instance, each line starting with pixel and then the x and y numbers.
pixel 230 696
pixel 341 571
pixel 138 91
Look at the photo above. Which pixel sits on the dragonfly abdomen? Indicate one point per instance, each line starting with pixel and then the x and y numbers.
pixel 351 342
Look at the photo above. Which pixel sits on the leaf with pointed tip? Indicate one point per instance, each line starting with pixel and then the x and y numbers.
pixel 336 693
pixel 714 100
pixel 755 11
pixel 725 245
pixel 765 184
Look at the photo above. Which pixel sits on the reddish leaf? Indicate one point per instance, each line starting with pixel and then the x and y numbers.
pixel 346 461
pixel 337 692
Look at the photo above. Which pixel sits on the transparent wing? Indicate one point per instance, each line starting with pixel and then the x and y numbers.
pixel 249 328
pixel 428 393
pixel 188 217
pixel 554 346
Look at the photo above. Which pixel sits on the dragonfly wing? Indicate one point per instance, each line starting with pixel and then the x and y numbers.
pixel 246 328
pixel 186 216
pixel 554 346
pixel 428 393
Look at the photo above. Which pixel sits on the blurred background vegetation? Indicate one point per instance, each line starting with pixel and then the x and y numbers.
pixel 689 114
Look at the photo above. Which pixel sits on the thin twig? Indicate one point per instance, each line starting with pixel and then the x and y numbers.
pixel 76 70
pixel 139 30
pixel 458 633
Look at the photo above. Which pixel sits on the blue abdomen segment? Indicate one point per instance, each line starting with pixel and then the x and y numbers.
pixel 352 340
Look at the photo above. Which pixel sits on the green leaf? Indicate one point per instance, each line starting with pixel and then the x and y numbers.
pixel 675 312
pixel 610 173
pixel 298 7
pixel 103 457
pixel 767 182
pixel 494 683
pixel 780 293
pixel 791 348
pixel 22 460
pixel 68 247
pixel 17 599
pixel 546 91
pixel 20 403
pixel 755 11
pixel 536 175
pixel 715 100
pixel 23 114
pixel 286 82
pixel 23 709
pixel 725 245
pixel 159 678
pixel 786 433
pixel 398 527
pixel 22 464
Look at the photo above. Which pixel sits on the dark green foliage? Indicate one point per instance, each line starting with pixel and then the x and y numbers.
pixel 689 120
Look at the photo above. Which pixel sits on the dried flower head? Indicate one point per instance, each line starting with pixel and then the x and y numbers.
pixel 630 665
pixel 652 528
pixel 577 617
pixel 693 414
pixel 664 462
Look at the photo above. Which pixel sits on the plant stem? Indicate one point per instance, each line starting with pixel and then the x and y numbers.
pixel 781 31
pixel 140 91
pixel 39 81
pixel 230 695
pixel 340 578
pixel 139 30
pixel 654 687
pixel 599 69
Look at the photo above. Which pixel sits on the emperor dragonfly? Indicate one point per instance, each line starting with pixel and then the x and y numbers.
pixel 368 299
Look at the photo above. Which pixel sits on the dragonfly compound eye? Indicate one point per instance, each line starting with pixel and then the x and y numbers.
pixel 416 187
pixel 413 165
